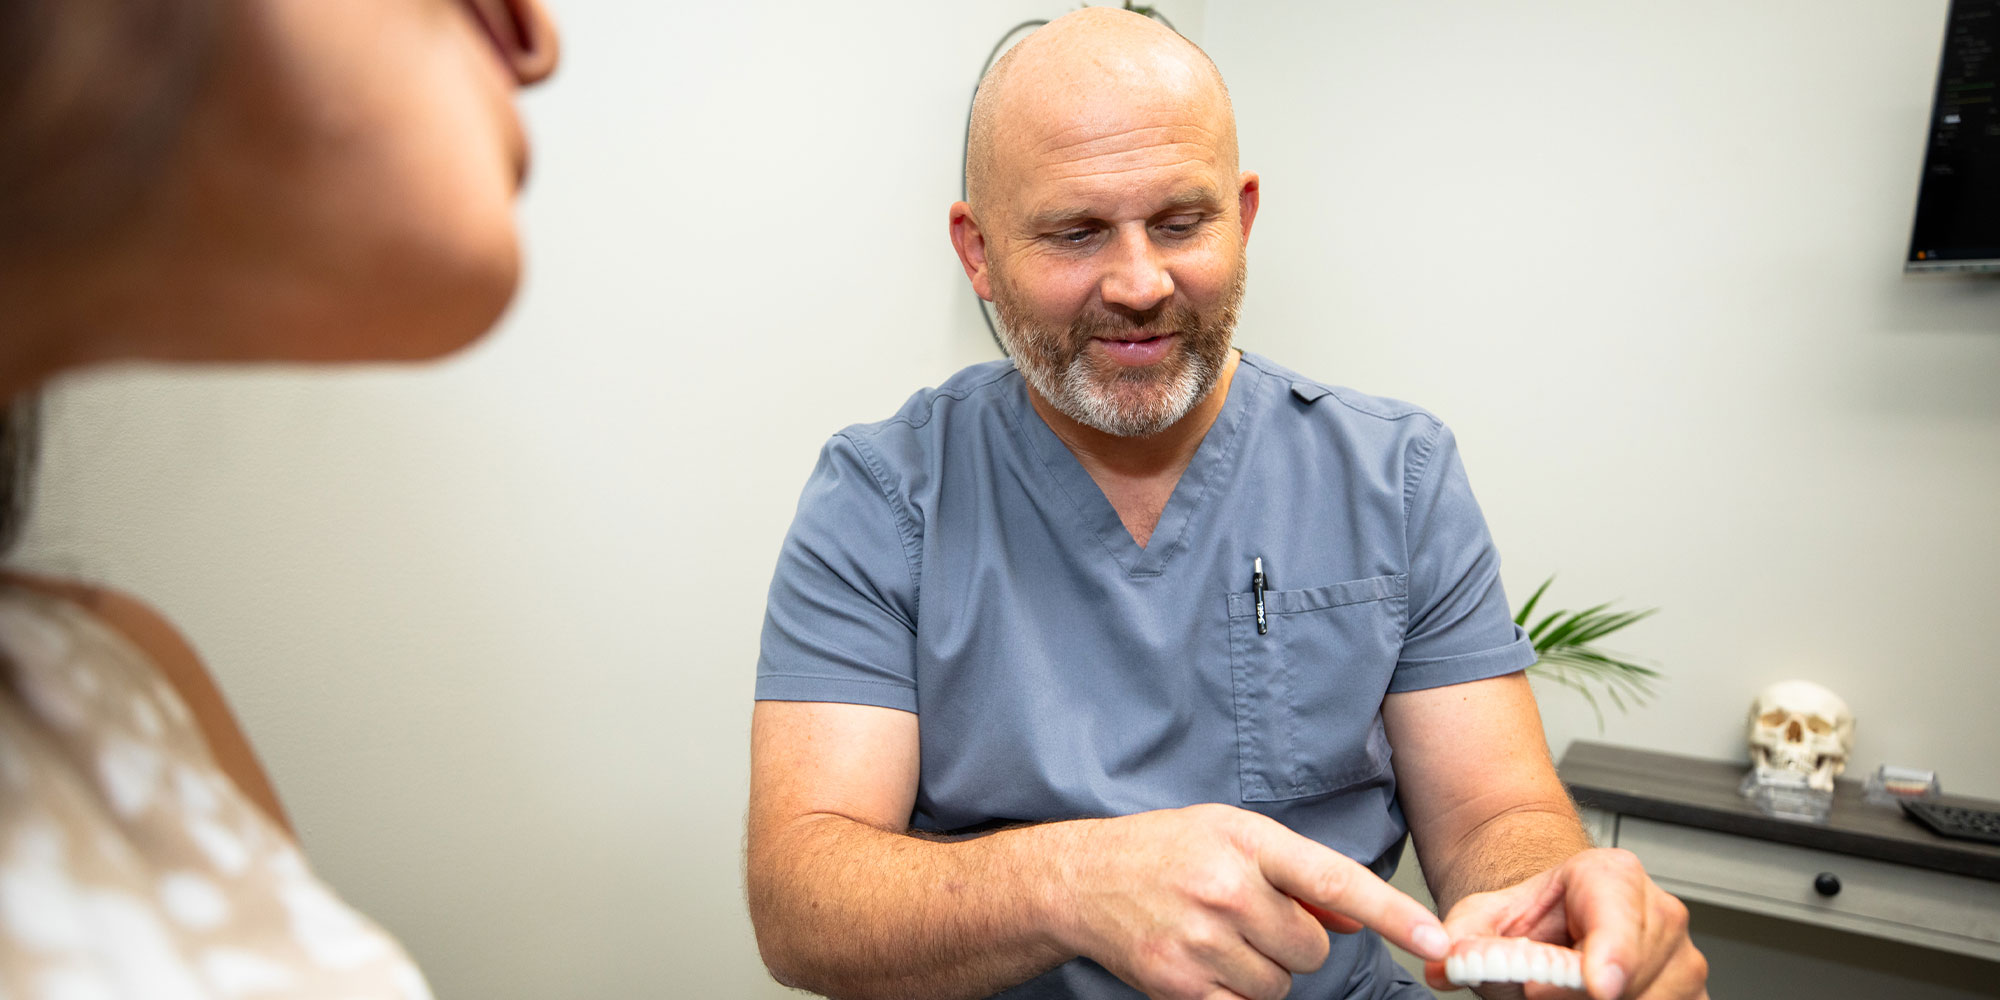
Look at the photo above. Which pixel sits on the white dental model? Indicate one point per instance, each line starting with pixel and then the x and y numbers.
pixel 1513 960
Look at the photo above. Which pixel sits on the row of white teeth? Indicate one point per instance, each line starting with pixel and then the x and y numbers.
pixel 1497 966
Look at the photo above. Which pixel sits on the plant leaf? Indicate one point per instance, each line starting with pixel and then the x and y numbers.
pixel 1542 626
pixel 1600 626
pixel 1529 608
pixel 1560 634
pixel 1565 654
pixel 1595 708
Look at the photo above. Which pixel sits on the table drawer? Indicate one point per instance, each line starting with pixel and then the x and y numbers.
pixel 1954 912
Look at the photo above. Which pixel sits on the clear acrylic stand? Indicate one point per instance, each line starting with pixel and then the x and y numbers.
pixel 1786 795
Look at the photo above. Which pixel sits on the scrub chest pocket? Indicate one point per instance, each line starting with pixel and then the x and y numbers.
pixel 1308 692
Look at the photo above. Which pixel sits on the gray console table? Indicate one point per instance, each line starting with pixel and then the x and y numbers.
pixel 1870 870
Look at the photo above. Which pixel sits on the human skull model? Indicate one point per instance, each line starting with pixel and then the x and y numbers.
pixel 1801 727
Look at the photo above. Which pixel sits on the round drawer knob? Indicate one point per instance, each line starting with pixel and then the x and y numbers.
pixel 1826 884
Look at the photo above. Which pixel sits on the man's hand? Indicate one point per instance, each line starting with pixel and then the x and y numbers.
pixel 1212 902
pixel 1209 902
pixel 1633 935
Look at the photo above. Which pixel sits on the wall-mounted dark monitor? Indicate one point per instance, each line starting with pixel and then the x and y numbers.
pixel 1958 206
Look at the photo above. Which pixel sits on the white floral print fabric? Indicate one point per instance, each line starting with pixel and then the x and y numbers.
pixel 130 864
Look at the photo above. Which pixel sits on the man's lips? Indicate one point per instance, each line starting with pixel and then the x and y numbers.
pixel 1137 353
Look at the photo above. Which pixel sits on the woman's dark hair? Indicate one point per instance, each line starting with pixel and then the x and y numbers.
pixel 18 442
pixel 94 96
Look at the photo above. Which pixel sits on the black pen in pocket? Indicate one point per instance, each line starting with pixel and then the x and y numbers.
pixel 1257 591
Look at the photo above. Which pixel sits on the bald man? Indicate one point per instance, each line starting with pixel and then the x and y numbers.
pixel 1125 665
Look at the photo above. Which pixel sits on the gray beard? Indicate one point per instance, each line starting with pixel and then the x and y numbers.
pixel 1109 397
pixel 1123 405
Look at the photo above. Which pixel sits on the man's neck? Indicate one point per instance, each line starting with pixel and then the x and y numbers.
pixel 1138 474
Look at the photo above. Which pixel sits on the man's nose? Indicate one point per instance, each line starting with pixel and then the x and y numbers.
pixel 1137 277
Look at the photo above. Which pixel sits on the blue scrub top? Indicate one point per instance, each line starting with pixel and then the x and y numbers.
pixel 957 562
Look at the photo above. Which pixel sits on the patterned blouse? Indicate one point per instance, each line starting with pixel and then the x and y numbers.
pixel 130 864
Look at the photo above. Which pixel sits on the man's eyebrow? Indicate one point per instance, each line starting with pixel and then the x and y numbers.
pixel 1201 197
pixel 1059 218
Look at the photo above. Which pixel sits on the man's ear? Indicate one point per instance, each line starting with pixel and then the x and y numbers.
pixel 971 246
pixel 1246 201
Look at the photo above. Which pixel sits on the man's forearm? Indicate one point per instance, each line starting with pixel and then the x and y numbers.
pixel 1511 846
pixel 849 910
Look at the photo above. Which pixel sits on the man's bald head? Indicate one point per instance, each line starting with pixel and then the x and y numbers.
pixel 1070 70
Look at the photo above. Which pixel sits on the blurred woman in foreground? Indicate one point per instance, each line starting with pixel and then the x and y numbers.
pixel 214 180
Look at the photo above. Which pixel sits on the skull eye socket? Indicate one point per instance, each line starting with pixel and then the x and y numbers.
pixel 1775 717
pixel 1819 725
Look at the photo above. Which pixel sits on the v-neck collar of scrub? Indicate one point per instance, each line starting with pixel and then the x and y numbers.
pixel 1095 514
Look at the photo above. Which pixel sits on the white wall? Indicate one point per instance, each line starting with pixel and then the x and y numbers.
pixel 1646 259
pixel 492 624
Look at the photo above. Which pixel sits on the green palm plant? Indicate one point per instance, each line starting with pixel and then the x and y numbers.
pixel 1566 654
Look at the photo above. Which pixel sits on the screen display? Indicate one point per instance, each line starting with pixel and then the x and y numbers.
pixel 1958 206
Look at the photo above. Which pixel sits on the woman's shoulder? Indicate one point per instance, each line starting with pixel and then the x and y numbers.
pixel 125 807
pixel 132 619
pixel 162 647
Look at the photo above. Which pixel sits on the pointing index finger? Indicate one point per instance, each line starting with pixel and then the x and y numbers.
pixel 1325 879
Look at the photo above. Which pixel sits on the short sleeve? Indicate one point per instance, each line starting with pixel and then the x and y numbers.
pixel 1460 628
pixel 840 622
